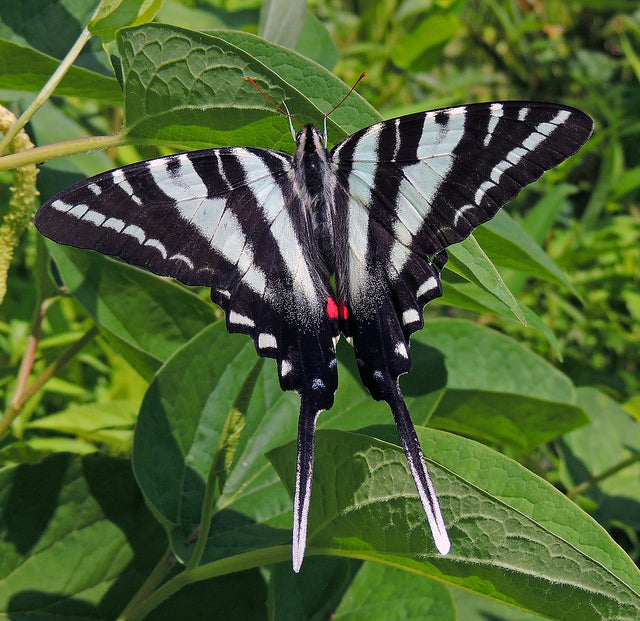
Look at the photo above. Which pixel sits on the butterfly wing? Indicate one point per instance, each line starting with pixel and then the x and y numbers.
pixel 416 185
pixel 229 219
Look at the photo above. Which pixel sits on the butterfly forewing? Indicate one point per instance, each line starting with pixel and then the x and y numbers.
pixel 267 231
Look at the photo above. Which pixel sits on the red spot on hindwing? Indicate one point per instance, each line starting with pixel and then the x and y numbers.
pixel 332 309
pixel 343 311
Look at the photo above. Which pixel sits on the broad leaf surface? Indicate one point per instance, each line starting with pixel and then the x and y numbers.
pixel 76 538
pixel 182 419
pixel 179 86
pixel 509 245
pixel 151 314
pixel 612 439
pixel 381 592
pixel 514 537
pixel 25 69
pixel 471 380
pixel 469 260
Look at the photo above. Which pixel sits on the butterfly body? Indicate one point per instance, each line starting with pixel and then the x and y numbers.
pixel 298 249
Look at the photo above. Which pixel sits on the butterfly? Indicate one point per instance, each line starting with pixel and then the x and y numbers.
pixel 300 249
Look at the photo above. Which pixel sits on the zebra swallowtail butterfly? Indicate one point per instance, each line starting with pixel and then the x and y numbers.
pixel 298 249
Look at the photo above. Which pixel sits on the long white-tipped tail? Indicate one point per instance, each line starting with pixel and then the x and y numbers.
pixel 304 477
pixel 420 472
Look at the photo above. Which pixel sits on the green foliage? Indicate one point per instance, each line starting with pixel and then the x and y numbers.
pixel 203 523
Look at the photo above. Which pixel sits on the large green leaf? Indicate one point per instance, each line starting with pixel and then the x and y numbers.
pixel 189 89
pixel 509 245
pixel 77 542
pixel 76 539
pixel 611 443
pixel 153 315
pixel 25 69
pixel 515 538
pixel 472 380
pixel 381 592
pixel 182 420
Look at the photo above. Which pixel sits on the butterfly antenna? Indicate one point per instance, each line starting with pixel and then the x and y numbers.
pixel 419 470
pixel 362 76
pixel 277 107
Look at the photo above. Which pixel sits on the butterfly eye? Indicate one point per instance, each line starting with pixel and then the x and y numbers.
pixel 299 135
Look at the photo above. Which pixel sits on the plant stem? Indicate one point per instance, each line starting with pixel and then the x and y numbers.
pixel 30 352
pixel 151 583
pixel 205 517
pixel 47 89
pixel 17 404
pixel 60 149
pixel 232 564
pixel 578 489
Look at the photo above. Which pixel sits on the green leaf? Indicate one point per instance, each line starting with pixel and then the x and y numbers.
pixel 315 43
pixel 526 543
pixel 611 440
pixel 189 89
pixel 472 380
pixel 76 538
pixel 183 418
pixel 468 296
pixel 25 69
pixel 281 21
pixel 100 423
pixel 470 261
pixel 509 245
pixel 380 592
pixel 148 313
pixel 115 14
pixel 412 51
pixel 315 592
pixel 52 27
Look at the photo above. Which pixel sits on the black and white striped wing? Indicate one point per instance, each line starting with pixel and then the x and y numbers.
pixel 417 184
pixel 222 218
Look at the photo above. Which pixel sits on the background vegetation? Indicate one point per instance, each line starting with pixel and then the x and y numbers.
pixel 512 408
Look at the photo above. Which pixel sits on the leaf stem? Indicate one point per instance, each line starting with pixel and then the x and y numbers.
pixel 47 89
pixel 161 569
pixel 232 564
pixel 17 404
pixel 578 489
pixel 29 355
pixel 60 149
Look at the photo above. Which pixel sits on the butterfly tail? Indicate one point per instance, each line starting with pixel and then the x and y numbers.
pixel 419 470
pixel 304 476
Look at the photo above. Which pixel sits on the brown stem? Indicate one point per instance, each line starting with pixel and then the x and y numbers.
pixel 17 404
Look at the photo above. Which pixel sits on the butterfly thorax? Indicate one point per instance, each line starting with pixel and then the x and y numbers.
pixel 314 180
